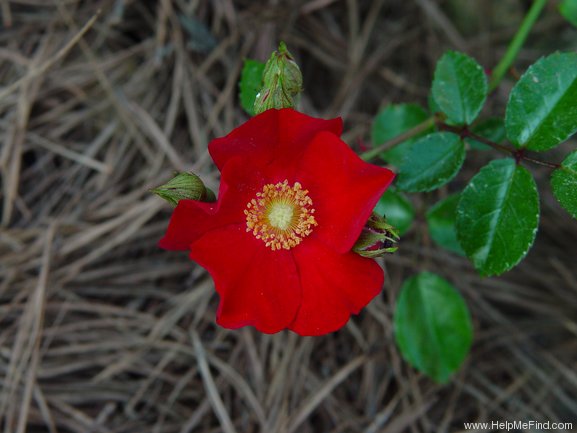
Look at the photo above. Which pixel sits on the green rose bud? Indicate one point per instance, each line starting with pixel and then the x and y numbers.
pixel 184 186
pixel 282 82
pixel 377 238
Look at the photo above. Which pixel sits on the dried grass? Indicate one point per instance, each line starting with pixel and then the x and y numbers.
pixel 103 332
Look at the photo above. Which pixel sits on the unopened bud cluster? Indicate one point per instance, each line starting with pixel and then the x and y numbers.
pixel 377 238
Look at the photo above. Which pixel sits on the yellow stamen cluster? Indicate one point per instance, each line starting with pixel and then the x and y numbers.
pixel 280 215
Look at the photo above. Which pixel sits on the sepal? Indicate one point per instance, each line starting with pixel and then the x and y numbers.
pixel 282 82
pixel 377 238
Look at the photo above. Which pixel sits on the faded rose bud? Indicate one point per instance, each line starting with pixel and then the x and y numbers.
pixel 293 78
pixel 282 82
pixel 377 238
pixel 184 186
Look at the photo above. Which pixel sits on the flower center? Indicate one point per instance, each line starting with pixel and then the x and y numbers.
pixel 280 215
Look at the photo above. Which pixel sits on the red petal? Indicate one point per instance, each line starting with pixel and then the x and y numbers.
pixel 257 286
pixel 192 219
pixel 344 189
pixel 333 286
pixel 274 134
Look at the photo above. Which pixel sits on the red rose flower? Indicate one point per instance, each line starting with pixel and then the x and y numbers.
pixel 293 200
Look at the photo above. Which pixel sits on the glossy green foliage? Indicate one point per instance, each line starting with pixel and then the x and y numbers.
pixel 492 129
pixel 398 210
pixel 392 121
pixel 431 162
pixel 568 9
pixel 250 84
pixel 564 184
pixel 459 87
pixel 542 108
pixel 441 219
pixel 432 326
pixel 498 216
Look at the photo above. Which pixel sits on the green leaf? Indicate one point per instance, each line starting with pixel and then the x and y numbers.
pixel 568 9
pixel 542 108
pixel 441 221
pixel 392 121
pixel 432 326
pixel 459 87
pixel 564 183
pixel 432 104
pixel 398 210
pixel 250 84
pixel 492 128
pixel 397 154
pixel 431 162
pixel 498 216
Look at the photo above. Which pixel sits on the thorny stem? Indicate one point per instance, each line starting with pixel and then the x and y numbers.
pixel 516 44
pixel 421 127
pixel 463 132
pixel 518 154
